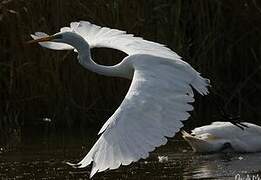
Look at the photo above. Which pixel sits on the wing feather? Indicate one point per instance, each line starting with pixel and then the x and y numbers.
pixel 98 36
pixel 156 103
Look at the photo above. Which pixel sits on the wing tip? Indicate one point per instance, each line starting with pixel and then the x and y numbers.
pixel 93 172
pixel 201 85
pixel 73 165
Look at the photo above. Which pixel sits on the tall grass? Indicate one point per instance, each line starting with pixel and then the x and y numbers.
pixel 221 39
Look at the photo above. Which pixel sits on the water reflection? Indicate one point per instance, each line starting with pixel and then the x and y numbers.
pixel 227 165
pixel 34 162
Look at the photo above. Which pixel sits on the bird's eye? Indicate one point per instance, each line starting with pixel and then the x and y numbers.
pixel 58 36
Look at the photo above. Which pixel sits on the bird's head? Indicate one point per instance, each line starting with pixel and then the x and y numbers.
pixel 205 142
pixel 67 37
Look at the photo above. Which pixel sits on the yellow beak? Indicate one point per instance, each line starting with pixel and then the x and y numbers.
pixel 48 38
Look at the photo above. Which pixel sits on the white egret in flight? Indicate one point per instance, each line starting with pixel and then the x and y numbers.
pixel 157 101
pixel 224 136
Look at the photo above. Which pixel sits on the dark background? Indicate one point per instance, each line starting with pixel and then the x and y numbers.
pixel 219 38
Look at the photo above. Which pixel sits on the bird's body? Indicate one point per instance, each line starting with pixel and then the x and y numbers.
pixel 224 136
pixel 157 101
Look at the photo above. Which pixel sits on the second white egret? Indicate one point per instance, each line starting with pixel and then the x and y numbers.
pixel 225 136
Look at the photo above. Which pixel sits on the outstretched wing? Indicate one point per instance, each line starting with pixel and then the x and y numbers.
pixel 158 100
pixel 98 36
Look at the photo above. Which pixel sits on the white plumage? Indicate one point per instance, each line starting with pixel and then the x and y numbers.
pixel 225 136
pixel 157 101
pixel 97 36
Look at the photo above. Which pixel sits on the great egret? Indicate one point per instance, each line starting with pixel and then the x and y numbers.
pixel 223 136
pixel 157 101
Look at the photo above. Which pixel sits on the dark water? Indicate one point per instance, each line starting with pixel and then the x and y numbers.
pixel 34 162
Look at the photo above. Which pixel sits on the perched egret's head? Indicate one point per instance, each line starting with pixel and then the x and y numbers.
pixel 206 143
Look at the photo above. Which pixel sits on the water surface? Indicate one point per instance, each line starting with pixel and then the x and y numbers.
pixel 43 162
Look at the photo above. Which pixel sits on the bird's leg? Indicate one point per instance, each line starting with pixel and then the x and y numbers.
pixel 226 116
pixel 234 121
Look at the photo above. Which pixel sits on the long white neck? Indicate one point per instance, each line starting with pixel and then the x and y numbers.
pixel 86 61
